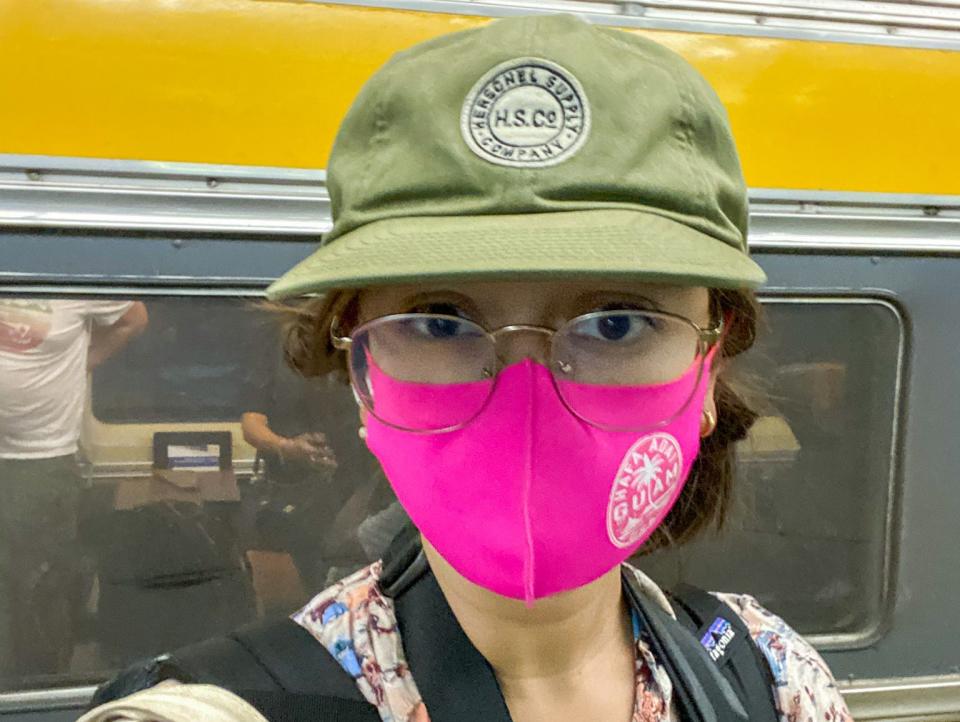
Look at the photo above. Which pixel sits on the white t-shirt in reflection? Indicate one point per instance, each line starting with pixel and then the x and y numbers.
pixel 43 372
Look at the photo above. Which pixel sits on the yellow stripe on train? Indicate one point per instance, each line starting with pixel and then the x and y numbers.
pixel 266 83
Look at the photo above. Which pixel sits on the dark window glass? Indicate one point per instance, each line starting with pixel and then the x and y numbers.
pixel 191 364
pixel 169 526
pixel 807 528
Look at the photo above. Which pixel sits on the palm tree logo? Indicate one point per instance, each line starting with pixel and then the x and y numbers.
pixel 650 471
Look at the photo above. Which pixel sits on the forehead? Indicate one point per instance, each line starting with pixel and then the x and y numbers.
pixel 538 298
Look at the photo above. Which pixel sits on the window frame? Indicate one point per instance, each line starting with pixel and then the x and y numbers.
pixel 871 633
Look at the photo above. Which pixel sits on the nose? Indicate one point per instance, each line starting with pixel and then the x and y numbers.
pixel 516 343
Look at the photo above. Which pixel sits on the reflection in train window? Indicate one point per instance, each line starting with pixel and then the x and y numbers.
pixel 809 522
pixel 213 485
pixel 155 381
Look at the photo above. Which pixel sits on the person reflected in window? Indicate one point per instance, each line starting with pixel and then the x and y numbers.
pixel 314 466
pixel 48 347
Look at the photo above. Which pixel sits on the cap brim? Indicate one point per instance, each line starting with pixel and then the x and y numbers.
pixel 624 244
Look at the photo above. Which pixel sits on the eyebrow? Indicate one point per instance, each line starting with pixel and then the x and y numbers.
pixel 583 303
pixel 598 297
pixel 440 294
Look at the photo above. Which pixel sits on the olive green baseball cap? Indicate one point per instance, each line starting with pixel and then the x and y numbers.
pixel 533 147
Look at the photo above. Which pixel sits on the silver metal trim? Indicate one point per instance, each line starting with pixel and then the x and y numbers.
pixel 122 291
pixel 865 22
pixel 46 699
pixel 56 192
pixel 875 699
pixel 58 164
pixel 831 221
pixel 85 193
pixel 907 699
pixel 855 199
pixel 892 518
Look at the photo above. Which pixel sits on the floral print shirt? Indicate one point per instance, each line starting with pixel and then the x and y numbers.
pixel 357 624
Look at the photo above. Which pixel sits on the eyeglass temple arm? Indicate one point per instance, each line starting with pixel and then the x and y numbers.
pixel 710 337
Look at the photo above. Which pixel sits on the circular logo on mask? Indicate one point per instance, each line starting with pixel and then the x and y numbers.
pixel 526 113
pixel 645 483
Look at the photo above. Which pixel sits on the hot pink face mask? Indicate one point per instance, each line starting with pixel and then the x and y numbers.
pixel 527 499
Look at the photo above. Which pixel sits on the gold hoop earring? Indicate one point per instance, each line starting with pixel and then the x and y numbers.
pixel 711 423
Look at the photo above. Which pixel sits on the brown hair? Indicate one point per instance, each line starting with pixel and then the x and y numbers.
pixel 706 495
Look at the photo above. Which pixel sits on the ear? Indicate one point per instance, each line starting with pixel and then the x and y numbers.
pixel 708 417
pixel 362 412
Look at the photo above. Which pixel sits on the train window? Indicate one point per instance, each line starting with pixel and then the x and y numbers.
pixel 154 381
pixel 185 529
pixel 212 485
pixel 810 521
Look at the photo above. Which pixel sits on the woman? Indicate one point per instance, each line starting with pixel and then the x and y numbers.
pixel 537 272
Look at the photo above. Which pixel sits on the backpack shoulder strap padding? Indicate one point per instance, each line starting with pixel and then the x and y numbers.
pixel 734 652
pixel 276 666
pixel 700 691
pixel 296 660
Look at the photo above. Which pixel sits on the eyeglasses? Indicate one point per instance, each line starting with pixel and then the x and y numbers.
pixel 446 367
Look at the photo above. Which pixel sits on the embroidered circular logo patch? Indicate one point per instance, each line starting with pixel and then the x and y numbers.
pixel 526 113
pixel 646 481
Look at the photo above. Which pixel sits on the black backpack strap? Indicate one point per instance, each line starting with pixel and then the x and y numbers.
pixel 403 562
pixel 276 666
pixel 140 675
pixel 702 694
pixel 293 707
pixel 456 682
pixel 728 643
pixel 296 660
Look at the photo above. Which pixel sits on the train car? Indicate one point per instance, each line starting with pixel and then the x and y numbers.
pixel 173 154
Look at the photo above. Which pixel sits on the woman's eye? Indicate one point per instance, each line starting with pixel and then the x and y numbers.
pixel 628 326
pixel 614 328
pixel 441 328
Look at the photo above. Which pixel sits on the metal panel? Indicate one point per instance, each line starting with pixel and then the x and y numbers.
pixel 917 24
pixel 45 192
pixel 896 700
pixel 64 715
pixel 928 577
pixel 190 198
pixel 68 698
pixel 901 248
pixel 171 261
